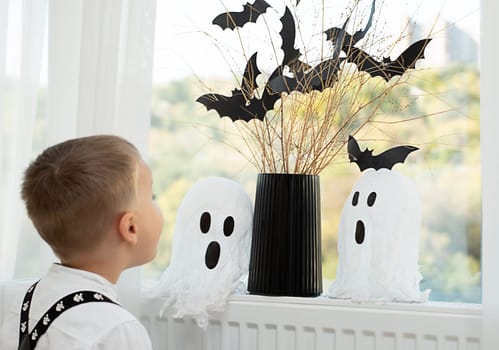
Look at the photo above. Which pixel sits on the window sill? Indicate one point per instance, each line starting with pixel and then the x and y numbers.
pixel 323 301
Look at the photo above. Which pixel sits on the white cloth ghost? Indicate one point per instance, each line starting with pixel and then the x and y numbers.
pixel 210 250
pixel 378 240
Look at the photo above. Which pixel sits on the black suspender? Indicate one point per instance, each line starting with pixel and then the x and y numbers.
pixel 28 340
pixel 24 343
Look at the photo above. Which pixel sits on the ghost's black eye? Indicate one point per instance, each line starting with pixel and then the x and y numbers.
pixel 371 199
pixel 205 222
pixel 228 226
pixel 355 198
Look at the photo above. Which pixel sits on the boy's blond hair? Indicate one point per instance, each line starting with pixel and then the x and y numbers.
pixel 76 189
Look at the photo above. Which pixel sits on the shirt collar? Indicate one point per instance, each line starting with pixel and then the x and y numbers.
pixel 86 279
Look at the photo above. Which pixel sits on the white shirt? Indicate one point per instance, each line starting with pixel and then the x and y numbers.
pixel 89 326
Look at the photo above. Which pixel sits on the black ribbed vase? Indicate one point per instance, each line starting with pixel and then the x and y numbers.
pixel 286 244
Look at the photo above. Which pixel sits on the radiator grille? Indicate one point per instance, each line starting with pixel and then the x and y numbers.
pixel 266 323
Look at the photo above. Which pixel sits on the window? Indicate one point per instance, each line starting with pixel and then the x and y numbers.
pixel 440 106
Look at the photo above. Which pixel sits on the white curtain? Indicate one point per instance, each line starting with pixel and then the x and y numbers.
pixel 67 69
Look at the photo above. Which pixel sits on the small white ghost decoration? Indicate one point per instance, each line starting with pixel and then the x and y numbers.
pixel 378 235
pixel 210 249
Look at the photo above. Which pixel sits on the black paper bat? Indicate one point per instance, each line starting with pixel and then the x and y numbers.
pixel 249 13
pixel 388 68
pixel 242 105
pixel 305 78
pixel 386 159
pixel 342 40
pixel 320 77
pixel 288 36
pixel 291 54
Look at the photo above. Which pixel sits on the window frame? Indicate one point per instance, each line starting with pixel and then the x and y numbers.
pixel 489 128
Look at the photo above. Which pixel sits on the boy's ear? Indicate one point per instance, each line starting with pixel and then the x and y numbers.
pixel 127 228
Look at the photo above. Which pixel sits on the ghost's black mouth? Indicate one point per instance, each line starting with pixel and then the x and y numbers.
pixel 212 255
pixel 360 232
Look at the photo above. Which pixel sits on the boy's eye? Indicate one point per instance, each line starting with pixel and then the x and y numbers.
pixel 153 197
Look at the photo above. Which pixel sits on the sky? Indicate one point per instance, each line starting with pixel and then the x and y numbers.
pixel 186 42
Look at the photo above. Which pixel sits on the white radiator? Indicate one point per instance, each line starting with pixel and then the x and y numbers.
pixel 268 323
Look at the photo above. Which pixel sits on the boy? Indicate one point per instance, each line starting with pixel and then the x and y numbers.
pixel 91 200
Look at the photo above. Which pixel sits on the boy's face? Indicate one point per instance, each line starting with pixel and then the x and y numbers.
pixel 149 217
